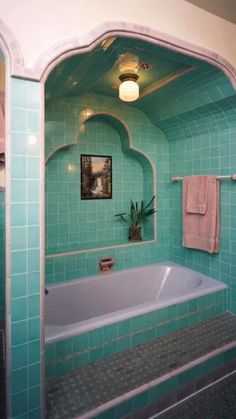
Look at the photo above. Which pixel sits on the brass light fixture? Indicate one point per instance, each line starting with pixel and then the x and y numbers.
pixel 129 88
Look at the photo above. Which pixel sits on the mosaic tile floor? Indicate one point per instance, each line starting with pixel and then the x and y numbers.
pixel 216 402
pixel 97 383
pixel 2 377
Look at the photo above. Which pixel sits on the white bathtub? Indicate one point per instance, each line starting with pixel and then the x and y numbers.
pixel 83 305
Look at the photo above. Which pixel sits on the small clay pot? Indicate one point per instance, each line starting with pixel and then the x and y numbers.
pixel 135 233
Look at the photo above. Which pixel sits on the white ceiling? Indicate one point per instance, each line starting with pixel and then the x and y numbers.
pixel 226 9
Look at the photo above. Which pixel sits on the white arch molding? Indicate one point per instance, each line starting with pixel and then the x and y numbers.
pixel 39 72
pixel 11 52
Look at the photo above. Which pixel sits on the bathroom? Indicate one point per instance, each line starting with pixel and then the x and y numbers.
pixel 184 125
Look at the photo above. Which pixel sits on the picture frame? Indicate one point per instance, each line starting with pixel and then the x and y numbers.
pixel 96 176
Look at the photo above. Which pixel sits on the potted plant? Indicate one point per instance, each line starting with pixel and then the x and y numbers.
pixel 135 218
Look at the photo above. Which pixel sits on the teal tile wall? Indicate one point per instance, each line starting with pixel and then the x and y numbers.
pixel 203 141
pixel 69 354
pixel 202 86
pixel 72 223
pixel 61 128
pixel 2 256
pixel 25 395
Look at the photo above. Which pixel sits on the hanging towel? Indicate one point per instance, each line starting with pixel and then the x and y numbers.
pixel 201 231
pixel 2 122
pixel 196 201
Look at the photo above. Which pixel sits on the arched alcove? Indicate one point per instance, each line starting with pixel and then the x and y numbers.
pixel 74 224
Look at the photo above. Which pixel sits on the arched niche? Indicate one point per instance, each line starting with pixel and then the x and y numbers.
pixel 74 225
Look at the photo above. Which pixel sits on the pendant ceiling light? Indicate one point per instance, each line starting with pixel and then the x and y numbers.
pixel 129 88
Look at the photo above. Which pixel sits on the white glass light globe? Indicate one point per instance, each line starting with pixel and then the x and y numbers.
pixel 128 91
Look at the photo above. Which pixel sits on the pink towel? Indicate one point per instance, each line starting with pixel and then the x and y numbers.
pixel 196 201
pixel 201 231
pixel 2 122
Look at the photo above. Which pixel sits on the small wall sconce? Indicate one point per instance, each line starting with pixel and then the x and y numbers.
pixel 85 114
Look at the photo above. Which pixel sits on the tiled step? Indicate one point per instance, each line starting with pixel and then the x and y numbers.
pixel 216 401
pixel 143 380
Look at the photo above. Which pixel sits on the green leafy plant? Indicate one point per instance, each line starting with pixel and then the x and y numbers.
pixel 137 215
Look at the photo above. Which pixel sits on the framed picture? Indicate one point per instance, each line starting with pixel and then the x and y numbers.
pixel 96 177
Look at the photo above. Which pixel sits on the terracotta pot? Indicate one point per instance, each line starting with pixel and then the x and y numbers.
pixel 135 233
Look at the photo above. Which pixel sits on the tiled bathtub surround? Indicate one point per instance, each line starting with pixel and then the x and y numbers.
pixel 211 152
pixel 67 355
pixel 142 375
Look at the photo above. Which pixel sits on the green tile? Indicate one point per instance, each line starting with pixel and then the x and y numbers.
pixel 19 285
pixel 33 214
pixel 123 409
pixel 33 282
pixel 33 237
pixel 18 191
pixel 149 319
pixel 19 356
pixel 34 375
pixel 33 351
pixel 33 329
pixel 96 337
pixel 34 305
pixel 124 327
pixel 19 332
pixel 81 343
pixel 18 214
pixel 19 261
pixel 19 380
pixel 19 403
pixel 140 400
pixel 19 309
pixel 33 258
pixel 124 343
pixel 63 348
pixel 110 348
pixel 18 167
pixel 110 332
pixel 34 397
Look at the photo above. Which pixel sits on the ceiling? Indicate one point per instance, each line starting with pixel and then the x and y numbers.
pixel 226 9
pixel 173 84
pixel 98 73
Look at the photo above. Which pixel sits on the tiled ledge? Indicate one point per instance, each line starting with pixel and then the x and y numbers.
pixel 136 378
pixel 70 354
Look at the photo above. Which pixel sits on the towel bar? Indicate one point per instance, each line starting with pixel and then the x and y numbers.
pixel 178 178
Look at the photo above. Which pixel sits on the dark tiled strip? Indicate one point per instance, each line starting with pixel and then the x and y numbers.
pixel 216 402
pixel 113 377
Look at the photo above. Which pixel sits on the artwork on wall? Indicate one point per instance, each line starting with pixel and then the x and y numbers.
pixel 96 177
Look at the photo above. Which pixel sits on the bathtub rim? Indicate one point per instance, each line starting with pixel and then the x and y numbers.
pixel 56 333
